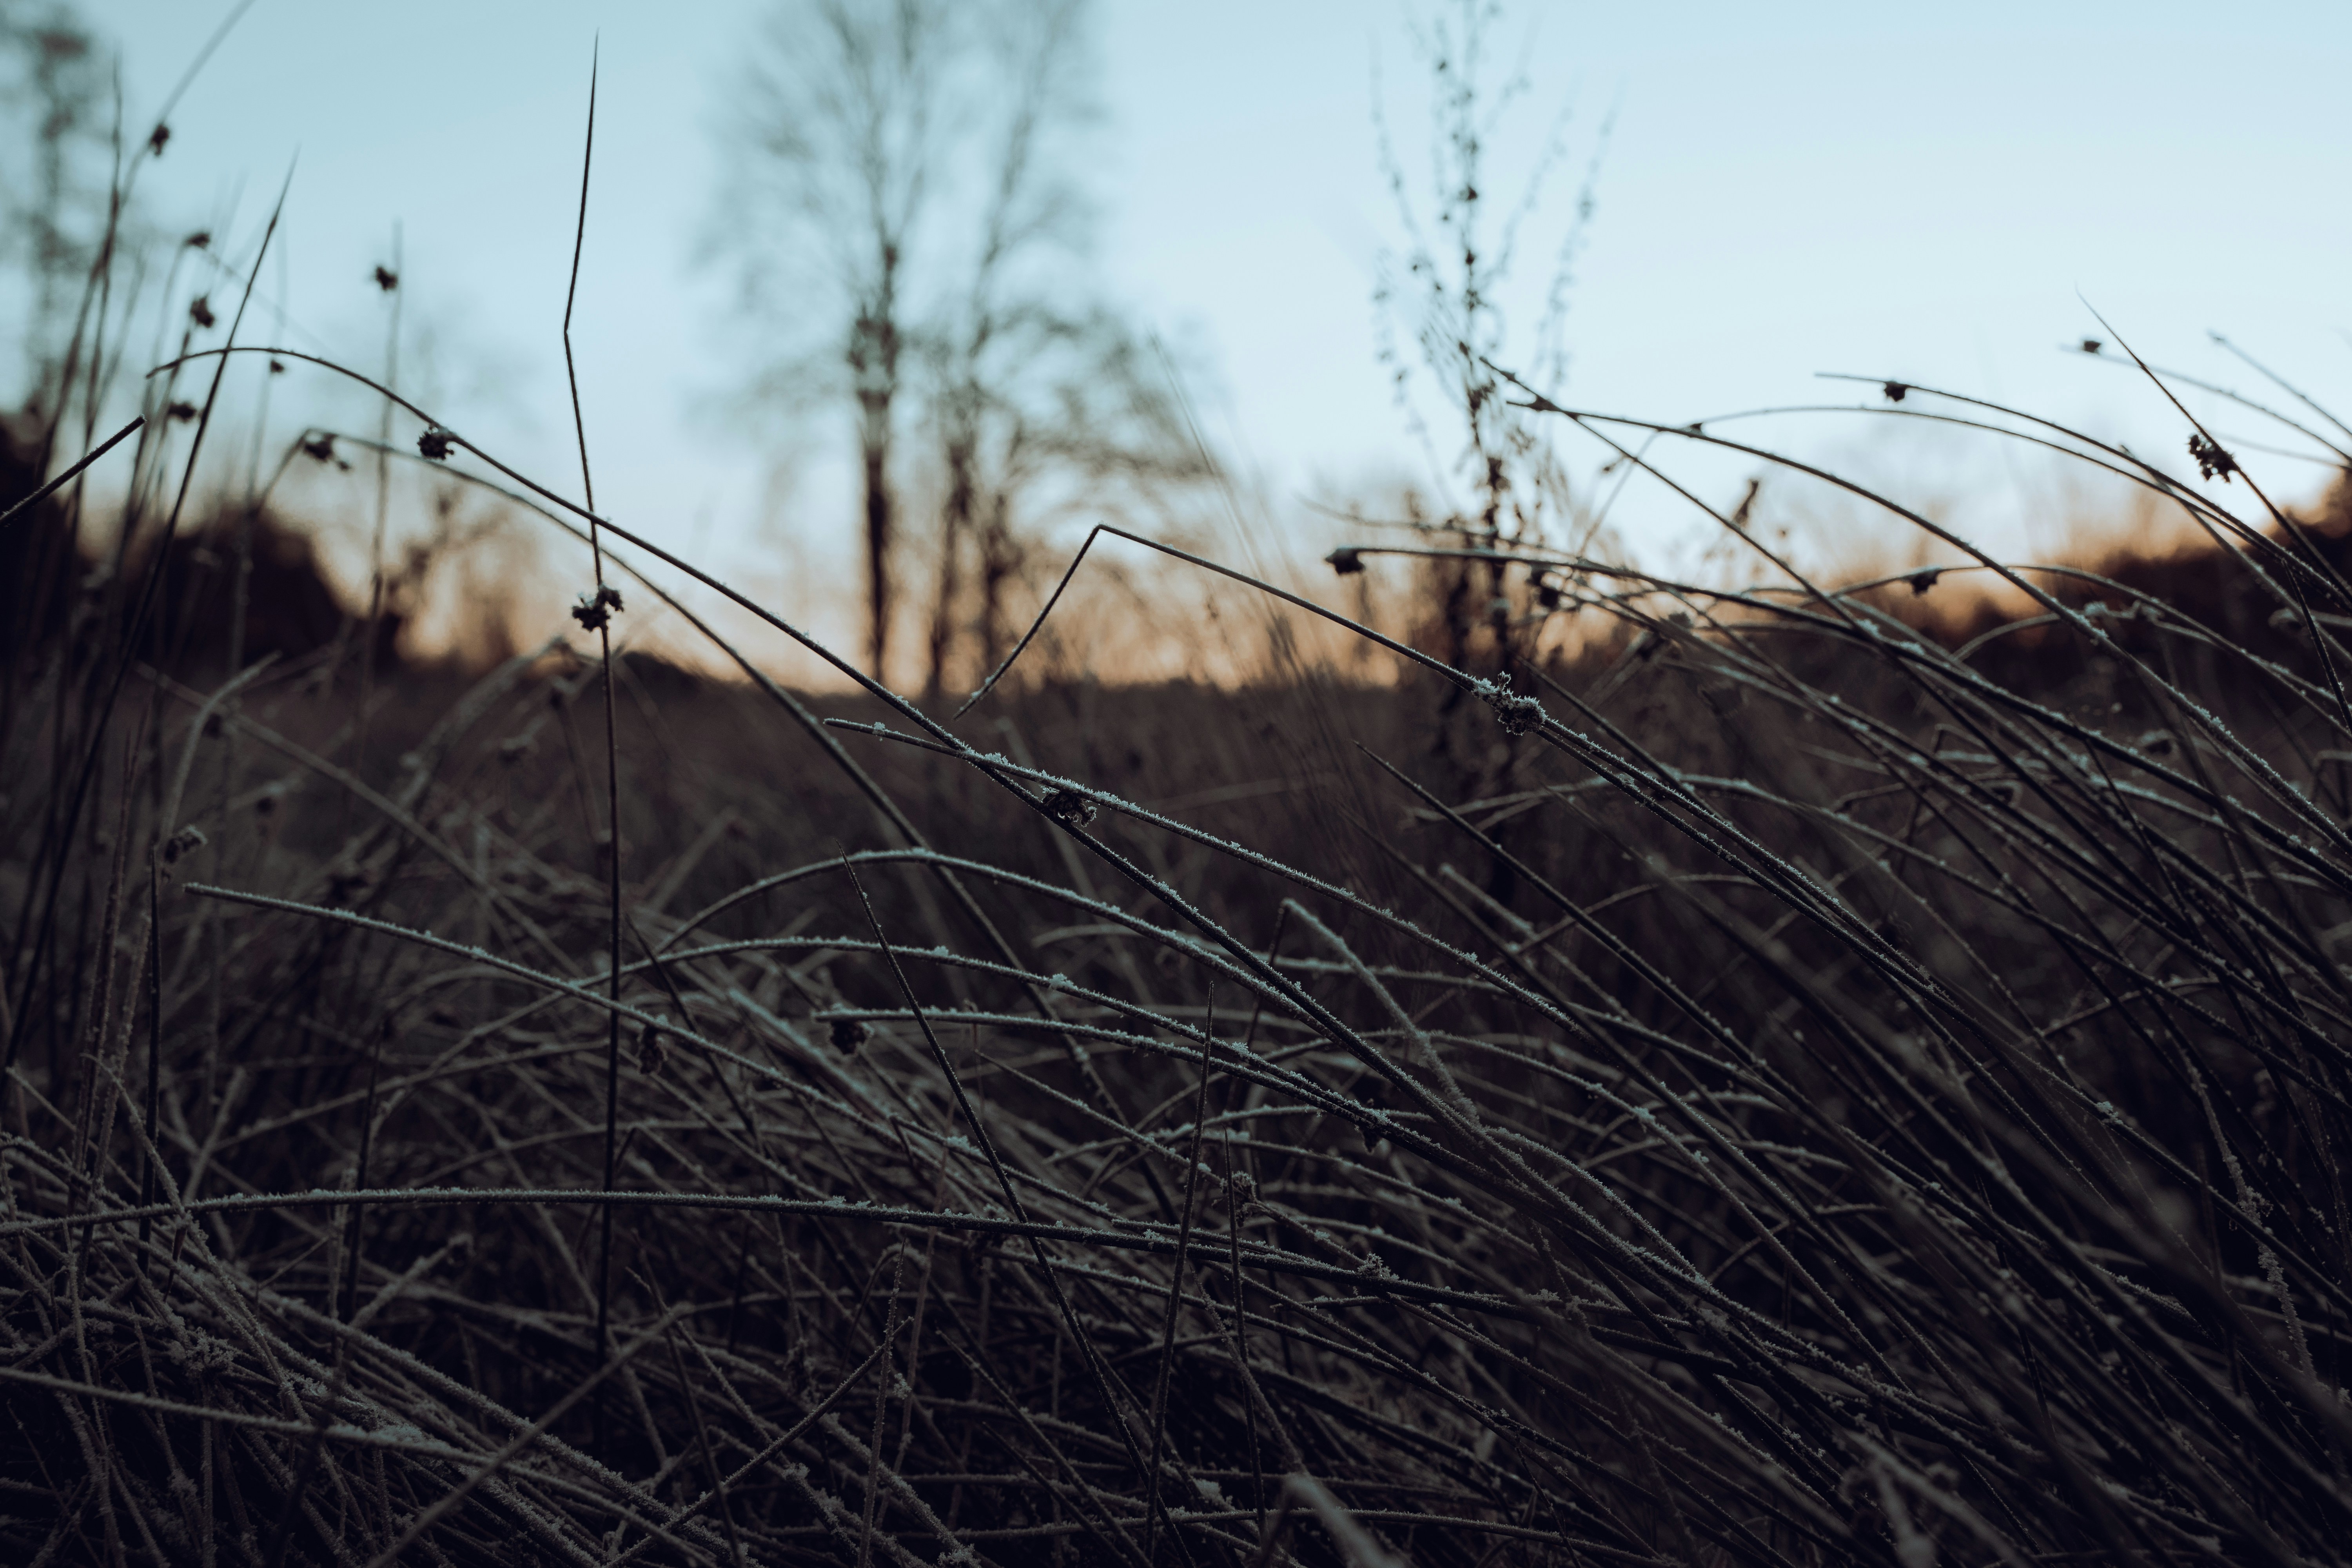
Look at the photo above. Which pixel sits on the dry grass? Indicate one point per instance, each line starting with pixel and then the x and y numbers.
pixel 1803 1096
pixel 1791 1076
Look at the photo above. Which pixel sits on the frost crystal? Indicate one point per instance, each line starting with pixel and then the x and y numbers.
pixel 1518 713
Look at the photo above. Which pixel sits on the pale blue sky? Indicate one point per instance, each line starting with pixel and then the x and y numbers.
pixel 1902 190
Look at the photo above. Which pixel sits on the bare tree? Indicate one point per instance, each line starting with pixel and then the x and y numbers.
pixel 1016 374
pixel 907 181
pixel 1449 298
pixel 841 115
pixel 1080 421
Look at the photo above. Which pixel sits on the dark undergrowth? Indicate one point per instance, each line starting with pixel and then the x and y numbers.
pixel 1814 1077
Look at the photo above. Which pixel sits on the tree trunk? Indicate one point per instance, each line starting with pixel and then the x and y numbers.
pixel 874 365
pixel 877 550
pixel 1000 557
pixel 955 527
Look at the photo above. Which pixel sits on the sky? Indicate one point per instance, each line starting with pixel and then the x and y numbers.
pixel 1941 194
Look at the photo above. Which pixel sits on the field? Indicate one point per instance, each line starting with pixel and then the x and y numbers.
pixel 1807 1076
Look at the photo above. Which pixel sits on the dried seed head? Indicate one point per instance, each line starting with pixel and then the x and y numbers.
pixel 1516 712
pixel 595 610
pixel 653 1051
pixel 436 442
pixel 2091 345
pixel 850 1034
pixel 2211 459
pixel 1894 391
pixel 276 366
pixel 188 838
pixel 1923 579
pixel 1069 808
pixel 319 447
pixel 1346 560
pixel 158 137
pixel 386 278
pixel 200 241
pixel 200 311
pixel 182 410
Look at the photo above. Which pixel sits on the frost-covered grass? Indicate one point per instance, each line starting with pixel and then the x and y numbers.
pixel 1799 1095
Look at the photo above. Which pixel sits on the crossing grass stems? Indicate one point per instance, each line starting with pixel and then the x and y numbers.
pixel 1777 1085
